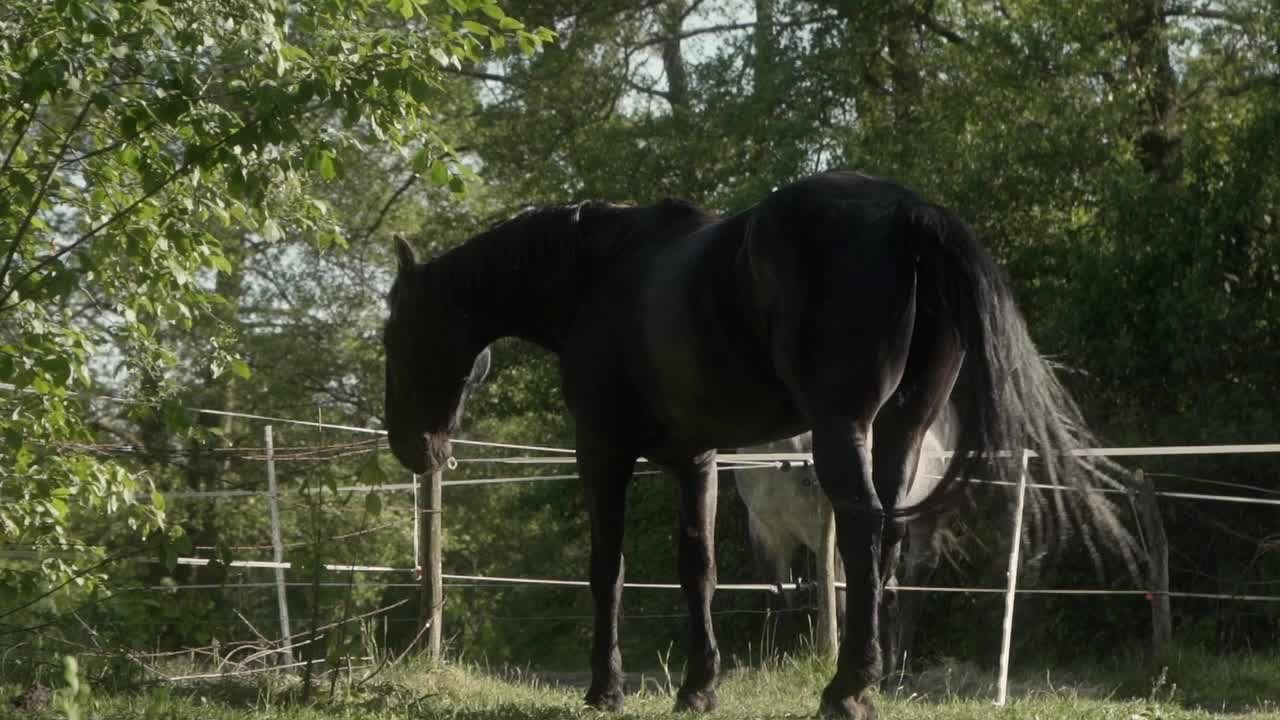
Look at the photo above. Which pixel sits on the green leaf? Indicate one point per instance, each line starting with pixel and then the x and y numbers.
pixel 419 88
pixel 439 173
pixel 510 23
pixel 240 368
pixel 220 264
pixel 270 231
pixel 373 503
pixel 328 170
pixel 476 27
pixel 58 369
pixel 71 672
pixel 371 472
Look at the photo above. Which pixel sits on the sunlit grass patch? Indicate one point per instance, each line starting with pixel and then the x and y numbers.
pixel 782 688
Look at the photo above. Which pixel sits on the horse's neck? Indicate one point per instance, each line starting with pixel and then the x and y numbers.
pixel 523 279
pixel 528 277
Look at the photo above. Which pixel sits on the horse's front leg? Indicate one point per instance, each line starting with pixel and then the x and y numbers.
pixel 697 569
pixel 606 476
pixel 843 461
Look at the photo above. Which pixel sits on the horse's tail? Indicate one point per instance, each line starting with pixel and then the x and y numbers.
pixel 1008 397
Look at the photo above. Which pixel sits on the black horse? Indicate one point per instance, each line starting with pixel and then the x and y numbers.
pixel 837 304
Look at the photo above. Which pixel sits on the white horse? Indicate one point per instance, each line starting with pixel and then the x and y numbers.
pixel 786 509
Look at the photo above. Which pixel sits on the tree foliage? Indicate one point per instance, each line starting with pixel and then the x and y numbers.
pixel 142 144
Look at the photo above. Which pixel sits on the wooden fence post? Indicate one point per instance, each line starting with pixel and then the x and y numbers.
pixel 828 640
pixel 1157 565
pixel 429 499
pixel 277 546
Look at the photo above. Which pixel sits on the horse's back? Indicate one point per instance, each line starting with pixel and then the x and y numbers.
pixel 702 314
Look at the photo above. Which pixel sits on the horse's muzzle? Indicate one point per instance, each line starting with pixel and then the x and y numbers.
pixel 411 450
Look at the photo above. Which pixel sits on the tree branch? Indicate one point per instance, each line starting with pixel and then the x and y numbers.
pixel 1249 85
pixel 39 198
pixel 1207 13
pixel 72 578
pixel 647 90
pixel 386 207
pixel 17 139
pixel 929 21
pixel 693 7
pixel 482 75
pixel 93 232
pixel 727 27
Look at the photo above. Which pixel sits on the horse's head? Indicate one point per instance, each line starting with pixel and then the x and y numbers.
pixel 432 364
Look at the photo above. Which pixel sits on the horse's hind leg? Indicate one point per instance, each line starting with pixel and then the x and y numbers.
pixel 900 428
pixel 851 354
pixel 843 461
pixel 697 568
pixel 605 476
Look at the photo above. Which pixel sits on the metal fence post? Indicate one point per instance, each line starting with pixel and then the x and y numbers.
pixel 1006 639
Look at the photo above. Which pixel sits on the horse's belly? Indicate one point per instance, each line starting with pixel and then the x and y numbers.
pixel 730 414
pixel 707 398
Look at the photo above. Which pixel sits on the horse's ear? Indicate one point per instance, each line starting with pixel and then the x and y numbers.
pixel 480 368
pixel 404 254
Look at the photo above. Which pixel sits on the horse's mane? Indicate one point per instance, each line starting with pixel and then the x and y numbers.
pixel 566 234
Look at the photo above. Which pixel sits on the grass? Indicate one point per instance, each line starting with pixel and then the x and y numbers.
pixel 785 689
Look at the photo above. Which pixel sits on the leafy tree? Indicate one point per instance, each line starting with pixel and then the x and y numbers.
pixel 143 144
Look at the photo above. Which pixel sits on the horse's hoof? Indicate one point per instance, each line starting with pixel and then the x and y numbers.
pixel 703 701
pixel 846 708
pixel 608 700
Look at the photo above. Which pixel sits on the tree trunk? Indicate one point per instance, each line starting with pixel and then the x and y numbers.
pixel 671 15
pixel 764 62
pixel 1159 142
pixel 904 69
pixel 886 40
